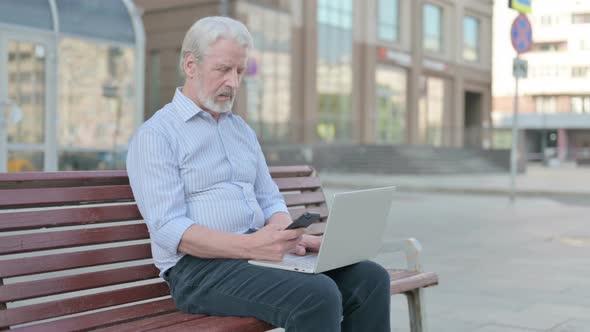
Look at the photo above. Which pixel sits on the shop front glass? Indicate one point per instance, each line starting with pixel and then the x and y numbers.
pixel 390 115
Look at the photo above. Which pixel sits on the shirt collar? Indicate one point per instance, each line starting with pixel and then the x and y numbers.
pixel 188 108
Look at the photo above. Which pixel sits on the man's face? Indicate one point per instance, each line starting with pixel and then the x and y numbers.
pixel 219 75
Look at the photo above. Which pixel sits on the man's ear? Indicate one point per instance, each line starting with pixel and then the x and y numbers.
pixel 189 65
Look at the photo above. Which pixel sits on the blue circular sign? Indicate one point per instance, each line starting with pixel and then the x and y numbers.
pixel 521 34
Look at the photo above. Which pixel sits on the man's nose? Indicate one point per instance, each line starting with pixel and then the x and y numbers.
pixel 233 80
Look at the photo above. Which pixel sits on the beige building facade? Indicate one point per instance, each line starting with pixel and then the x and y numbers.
pixel 348 71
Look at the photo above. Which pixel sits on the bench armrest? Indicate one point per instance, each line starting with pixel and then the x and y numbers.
pixel 411 247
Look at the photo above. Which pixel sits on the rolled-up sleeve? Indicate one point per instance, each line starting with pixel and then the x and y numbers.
pixel 267 192
pixel 158 189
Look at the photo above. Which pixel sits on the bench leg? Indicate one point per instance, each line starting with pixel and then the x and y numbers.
pixel 416 310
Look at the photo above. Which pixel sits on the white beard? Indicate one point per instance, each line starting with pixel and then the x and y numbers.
pixel 222 107
pixel 210 104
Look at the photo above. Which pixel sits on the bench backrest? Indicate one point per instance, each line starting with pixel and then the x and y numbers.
pixel 75 242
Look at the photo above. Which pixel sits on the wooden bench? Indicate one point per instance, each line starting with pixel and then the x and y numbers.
pixel 75 256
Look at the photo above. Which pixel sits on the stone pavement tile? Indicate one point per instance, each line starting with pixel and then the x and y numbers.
pixel 534 318
pixel 400 321
pixel 576 295
pixel 574 325
pixel 445 323
pixel 571 311
pixel 502 328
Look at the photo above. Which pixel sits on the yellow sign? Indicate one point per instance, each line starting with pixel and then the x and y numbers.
pixel 523 6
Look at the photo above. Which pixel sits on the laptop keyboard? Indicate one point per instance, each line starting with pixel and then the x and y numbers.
pixel 307 262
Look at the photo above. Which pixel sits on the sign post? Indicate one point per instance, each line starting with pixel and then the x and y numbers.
pixel 521 35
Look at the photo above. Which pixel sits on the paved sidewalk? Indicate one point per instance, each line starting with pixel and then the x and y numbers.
pixel 502 267
pixel 540 181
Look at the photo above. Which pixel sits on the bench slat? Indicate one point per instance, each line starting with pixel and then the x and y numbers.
pixel 17 221
pixel 62 175
pixel 307 183
pixel 290 171
pixel 275 171
pixel 25 180
pixel 162 321
pixel 56 262
pixel 304 198
pixel 35 312
pixel 404 281
pixel 91 178
pixel 63 239
pixel 72 283
pixel 104 318
pixel 218 324
pixel 11 198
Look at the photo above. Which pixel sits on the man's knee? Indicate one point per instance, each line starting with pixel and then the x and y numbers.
pixel 373 273
pixel 324 291
pixel 323 300
pixel 366 281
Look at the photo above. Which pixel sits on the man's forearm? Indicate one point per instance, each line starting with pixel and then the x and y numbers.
pixel 280 218
pixel 201 241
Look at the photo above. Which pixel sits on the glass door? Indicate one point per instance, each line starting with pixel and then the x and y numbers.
pixel 26 95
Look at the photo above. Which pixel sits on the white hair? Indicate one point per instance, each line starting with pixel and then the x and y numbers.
pixel 208 30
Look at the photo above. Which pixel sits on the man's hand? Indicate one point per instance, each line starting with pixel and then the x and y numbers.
pixel 311 242
pixel 272 242
pixel 307 243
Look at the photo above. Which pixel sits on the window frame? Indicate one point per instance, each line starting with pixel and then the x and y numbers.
pixel 396 26
pixel 478 49
pixel 441 39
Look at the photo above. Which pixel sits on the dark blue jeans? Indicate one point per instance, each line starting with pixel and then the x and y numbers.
pixel 351 298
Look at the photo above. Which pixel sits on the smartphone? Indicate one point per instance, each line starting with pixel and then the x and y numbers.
pixel 305 220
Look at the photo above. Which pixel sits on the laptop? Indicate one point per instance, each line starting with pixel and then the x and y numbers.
pixel 353 233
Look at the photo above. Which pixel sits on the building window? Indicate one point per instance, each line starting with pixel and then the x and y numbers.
pixel 430 110
pixel 388 23
pixel 580 104
pixel 390 115
pixel 96 95
pixel 580 71
pixel 432 26
pixel 549 71
pixel 26 73
pixel 334 71
pixel 581 18
pixel 268 75
pixel 471 35
pixel 545 105
pixel 559 46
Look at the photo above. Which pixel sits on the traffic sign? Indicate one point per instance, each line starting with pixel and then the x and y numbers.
pixel 523 6
pixel 521 34
pixel 520 68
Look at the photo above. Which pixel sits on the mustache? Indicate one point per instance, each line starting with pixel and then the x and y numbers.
pixel 229 92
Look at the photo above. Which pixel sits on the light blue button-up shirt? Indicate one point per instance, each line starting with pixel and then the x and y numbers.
pixel 185 168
